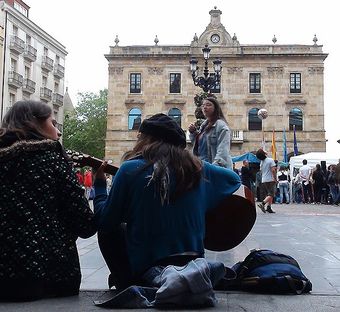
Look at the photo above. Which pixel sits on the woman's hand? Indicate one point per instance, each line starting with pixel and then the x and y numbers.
pixel 99 174
pixel 192 128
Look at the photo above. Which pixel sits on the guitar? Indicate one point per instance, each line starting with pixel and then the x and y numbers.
pixel 82 160
pixel 226 226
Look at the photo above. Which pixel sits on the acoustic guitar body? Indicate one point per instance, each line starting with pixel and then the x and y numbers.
pixel 231 221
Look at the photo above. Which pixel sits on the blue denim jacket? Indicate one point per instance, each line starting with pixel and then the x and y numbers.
pixel 218 143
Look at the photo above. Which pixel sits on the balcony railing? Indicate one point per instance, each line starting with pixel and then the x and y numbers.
pixel 30 53
pixel 57 99
pixel 47 63
pixel 59 71
pixel 237 136
pixel 28 86
pixel 17 45
pixel 45 94
pixel 14 79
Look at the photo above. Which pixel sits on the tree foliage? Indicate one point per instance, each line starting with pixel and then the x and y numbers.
pixel 85 129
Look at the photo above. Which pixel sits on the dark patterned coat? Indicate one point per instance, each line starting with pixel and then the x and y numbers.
pixel 42 213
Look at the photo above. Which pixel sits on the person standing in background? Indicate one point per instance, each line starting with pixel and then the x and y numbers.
pixel 246 175
pixel 88 182
pixel 305 176
pixel 212 141
pixel 268 171
pixel 80 177
pixel 283 179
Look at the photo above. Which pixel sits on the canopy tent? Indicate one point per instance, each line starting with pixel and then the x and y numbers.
pixel 247 156
pixel 314 158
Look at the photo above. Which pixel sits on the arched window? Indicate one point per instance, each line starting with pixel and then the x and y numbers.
pixel 254 122
pixel 176 114
pixel 135 119
pixel 295 118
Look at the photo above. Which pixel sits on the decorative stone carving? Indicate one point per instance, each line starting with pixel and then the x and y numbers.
pixel 296 102
pixel 315 70
pixel 255 102
pixel 134 101
pixel 155 71
pixel 278 70
pixel 175 101
pixel 234 70
pixel 116 70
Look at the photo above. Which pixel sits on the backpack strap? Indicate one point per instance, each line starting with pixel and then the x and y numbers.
pixel 292 284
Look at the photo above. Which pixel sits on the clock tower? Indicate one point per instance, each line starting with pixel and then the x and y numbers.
pixel 215 34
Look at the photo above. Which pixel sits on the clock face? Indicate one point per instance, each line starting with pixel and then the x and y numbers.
pixel 215 38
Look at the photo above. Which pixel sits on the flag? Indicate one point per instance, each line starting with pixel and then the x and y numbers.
pixel 285 156
pixel 296 151
pixel 273 148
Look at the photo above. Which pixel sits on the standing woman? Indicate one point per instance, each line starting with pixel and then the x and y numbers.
pixel 212 140
pixel 42 208
pixel 161 193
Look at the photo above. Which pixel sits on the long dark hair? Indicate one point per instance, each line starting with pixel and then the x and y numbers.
pixel 24 118
pixel 162 156
pixel 218 114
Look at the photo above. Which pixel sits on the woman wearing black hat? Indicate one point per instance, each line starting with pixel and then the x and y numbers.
pixel 212 140
pixel 161 192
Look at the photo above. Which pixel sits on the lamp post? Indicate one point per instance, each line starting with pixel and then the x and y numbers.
pixel 208 80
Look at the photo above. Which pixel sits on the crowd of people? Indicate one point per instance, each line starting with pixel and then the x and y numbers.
pixel 310 185
pixel 319 185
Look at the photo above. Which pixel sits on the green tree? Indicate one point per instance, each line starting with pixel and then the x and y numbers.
pixel 84 130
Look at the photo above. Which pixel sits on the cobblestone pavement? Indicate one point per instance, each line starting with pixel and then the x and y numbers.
pixel 309 233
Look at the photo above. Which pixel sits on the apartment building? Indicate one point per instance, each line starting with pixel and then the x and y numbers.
pixel 32 62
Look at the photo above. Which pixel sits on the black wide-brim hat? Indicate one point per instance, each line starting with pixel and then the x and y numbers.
pixel 165 128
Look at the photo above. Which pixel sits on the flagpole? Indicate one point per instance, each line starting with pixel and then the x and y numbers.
pixel 296 151
pixel 285 156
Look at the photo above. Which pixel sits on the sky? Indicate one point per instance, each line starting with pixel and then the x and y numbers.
pixel 88 28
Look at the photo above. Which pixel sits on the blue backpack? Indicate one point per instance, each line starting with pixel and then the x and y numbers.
pixel 266 271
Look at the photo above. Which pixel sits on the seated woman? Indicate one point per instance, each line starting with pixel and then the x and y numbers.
pixel 42 208
pixel 160 194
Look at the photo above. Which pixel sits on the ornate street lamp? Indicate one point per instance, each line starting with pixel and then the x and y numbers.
pixel 209 80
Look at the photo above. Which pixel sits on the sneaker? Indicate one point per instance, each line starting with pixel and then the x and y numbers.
pixel 269 209
pixel 261 206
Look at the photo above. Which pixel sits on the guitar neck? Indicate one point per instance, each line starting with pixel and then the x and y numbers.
pixel 96 163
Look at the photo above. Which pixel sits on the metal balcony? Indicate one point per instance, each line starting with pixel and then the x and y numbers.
pixel 30 53
pixel 59 71
pixel 17 45
pixel 237 136
pixel 28 86
pixel 57 99
pixel 47 63
pixel 45 94
pixel 14 79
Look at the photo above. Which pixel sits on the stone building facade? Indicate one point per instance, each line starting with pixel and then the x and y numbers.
pixel 33 62
pixel 286 80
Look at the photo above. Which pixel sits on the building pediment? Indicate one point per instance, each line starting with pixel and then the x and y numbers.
pixel 134 101
pixel 296 102
pixel 255 102
pixel 175 101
